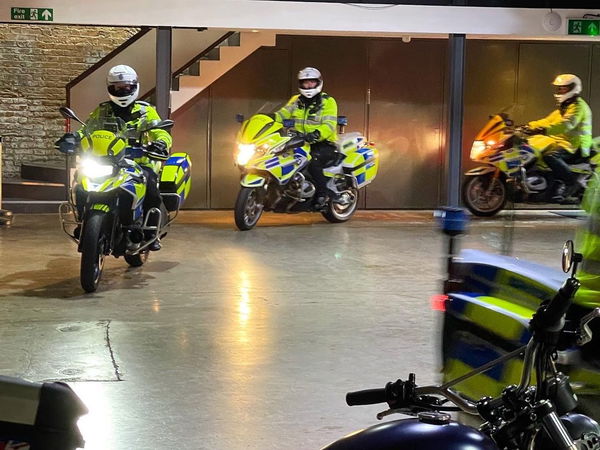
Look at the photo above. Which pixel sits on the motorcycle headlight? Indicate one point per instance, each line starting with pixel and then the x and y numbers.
pixel 478 149
pixel 93 169
pixel 245 153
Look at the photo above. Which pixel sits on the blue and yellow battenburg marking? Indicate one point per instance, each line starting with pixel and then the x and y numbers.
pixel 176 176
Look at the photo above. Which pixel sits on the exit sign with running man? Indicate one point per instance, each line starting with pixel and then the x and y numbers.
pixel 35 14
pixel 589 27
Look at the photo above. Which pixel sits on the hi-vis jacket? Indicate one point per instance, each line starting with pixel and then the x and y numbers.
pixel 569 126
pixel 319 115
pixel 138 117
pixel 587 242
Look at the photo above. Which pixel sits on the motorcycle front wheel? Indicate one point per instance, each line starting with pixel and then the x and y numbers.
pixel 338 212
pixel 484 195
pixel 93 244
pixel 248 208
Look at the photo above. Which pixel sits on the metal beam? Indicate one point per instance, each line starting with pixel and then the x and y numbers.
pixel 164 38
pixel 456 57
pixel 296 16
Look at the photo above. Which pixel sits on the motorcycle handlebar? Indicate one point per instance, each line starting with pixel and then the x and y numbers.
pixel 366 397
pixel 550 317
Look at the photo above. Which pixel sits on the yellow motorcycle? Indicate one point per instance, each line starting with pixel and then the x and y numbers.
pixel 508 154
pixel 274 158
pixel 107 198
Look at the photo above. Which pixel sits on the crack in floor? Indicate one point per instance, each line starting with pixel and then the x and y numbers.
pixel 110 350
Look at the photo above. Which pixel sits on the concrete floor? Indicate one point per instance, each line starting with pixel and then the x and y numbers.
pixel 238 340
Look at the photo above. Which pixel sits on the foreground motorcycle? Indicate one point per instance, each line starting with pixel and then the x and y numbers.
pixel 489 300
pixel 510 155
pixel 536 414
pixel 107 199
pixel 39 416
pixel 274 158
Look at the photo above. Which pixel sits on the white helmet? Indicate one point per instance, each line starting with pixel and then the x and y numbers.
pixel 123 86
pixel 310 73
pixel 566 86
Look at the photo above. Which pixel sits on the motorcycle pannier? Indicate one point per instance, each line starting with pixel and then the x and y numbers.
pixel 175 178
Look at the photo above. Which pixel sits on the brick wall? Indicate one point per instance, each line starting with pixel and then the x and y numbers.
pixel 36 62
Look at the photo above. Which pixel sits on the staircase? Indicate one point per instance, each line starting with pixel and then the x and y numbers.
pixel 210 67
pixel 199 57
pixel 39 189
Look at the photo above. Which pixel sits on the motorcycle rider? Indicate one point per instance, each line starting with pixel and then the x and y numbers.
pixel 570 129
pixel 315 115
pixel 587 242
pixel 123 89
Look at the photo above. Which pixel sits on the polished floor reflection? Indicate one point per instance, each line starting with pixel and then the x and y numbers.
pixel 238 340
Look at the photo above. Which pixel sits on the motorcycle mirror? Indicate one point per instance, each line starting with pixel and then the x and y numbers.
pixel 570 258
pixel 162 125
pixel 342 121
pixel 239 118
pixel 288 123
pixel 567 256
pixel 68 113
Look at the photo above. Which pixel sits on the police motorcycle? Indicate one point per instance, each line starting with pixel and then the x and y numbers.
pixel 537 413
pixel 513 168
pixel 487 303
pixel 273 159
pixel 107 199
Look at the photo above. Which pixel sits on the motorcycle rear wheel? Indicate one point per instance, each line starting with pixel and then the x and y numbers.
pixel 247 208
pixel 337 213
pixel 483 199
pixel 93 244
pixel 138 259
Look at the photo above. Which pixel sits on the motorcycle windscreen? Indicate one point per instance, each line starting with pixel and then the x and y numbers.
pixel 102 143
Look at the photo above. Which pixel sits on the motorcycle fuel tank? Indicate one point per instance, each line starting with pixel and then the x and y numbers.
pixel 424 433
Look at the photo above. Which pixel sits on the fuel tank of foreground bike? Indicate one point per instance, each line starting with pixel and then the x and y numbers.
pixel 429 432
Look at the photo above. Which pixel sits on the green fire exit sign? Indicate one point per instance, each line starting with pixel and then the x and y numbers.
pixel 36 14
pixel 589 27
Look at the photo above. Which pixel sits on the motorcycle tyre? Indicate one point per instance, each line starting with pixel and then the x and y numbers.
pixel 473 209
pixel 240 209
pixel 330 214
pixel 92 252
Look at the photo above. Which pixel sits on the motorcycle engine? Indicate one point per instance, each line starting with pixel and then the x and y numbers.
pixel 536 183
pixel 300 187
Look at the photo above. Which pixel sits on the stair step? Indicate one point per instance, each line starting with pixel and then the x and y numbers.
pixel 52 173
pixel 32 190
pixel 23 206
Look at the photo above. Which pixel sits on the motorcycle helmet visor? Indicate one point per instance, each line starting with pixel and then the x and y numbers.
pixel 563 89
pixel 121 89
pixel 308 83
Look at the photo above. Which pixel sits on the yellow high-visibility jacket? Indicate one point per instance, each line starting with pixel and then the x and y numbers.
pixel 570 126
pixel 320 115
pixel 587 242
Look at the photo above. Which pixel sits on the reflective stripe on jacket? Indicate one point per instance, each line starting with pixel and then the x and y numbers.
pixel 569 126
pixel 320 115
